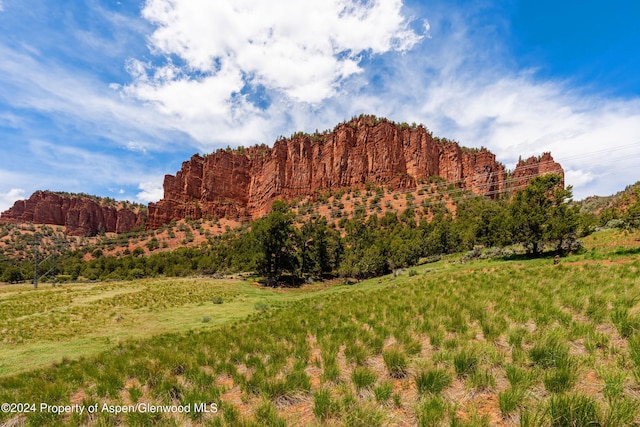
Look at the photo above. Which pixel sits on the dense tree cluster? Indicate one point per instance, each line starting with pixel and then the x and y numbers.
pixel 280 249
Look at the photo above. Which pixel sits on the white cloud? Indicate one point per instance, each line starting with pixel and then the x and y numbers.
pixel 10 197
pixel 1 6
pixel 152 191
pixel 462 88
pixel 217 55
pixel 460 82
pixel 140 146
pixel 579 178
pixel 76 99
pixel 518 115
pixel 245 72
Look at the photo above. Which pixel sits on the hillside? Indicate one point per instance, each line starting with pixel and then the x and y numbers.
pixel 618 202
pixel 242 184
pixel 81 214
pixel 487 342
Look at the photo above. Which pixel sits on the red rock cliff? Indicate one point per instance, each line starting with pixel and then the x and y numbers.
pixel 81 216
pixel 528 169
pixel 243 185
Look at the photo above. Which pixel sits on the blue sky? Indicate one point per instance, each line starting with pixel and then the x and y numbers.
pixel 105 97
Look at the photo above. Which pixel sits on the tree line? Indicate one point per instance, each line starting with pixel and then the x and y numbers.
pixel 282 249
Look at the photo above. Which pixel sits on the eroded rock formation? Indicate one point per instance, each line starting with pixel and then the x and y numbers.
pixel 243 184
pixel 82 216
pixel 528 169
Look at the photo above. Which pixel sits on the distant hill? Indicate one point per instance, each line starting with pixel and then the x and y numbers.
pixel 617 203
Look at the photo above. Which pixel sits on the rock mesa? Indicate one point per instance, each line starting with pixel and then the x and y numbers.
pixel 242 184
pixel 82 216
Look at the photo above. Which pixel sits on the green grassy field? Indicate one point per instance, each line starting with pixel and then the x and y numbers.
pixel 51 323
pixel 493 342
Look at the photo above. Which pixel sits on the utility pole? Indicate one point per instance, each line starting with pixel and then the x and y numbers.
pixel 53 268
pixel 51 273
pixel 35 261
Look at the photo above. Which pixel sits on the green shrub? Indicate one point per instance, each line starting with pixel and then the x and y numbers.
pixel 465 362
pixel 324 406
pixel 396 362
pixel 574 411
pixel 430 412
pixel 363 377
pixel 432 381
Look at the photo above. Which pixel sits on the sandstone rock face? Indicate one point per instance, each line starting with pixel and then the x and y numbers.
pixel 528 169
pixel 81 216
pixel 243 185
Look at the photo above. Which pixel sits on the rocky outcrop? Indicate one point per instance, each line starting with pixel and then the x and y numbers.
pixel 528 169
pixel 82 216
pixel 243 184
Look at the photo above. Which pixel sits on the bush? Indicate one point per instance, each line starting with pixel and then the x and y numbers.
pixel 573 411
pixel 433 381
pixel 396 362
pixel 363 377
pixel 465 362
pixel 136 273
pixel 324 406
pixel 12 275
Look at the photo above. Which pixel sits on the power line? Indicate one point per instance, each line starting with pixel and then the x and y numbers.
pixel 37 263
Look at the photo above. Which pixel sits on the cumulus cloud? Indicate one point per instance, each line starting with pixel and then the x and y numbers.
pixel 152 191
pixel 589 135
pixel 226 63
pixel 9 198
pixel 462 88
pixel 247 71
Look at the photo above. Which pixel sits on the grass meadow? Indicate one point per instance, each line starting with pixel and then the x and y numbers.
pixel 481 343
